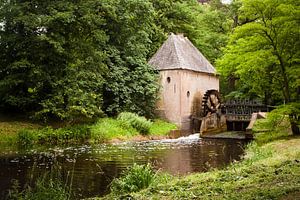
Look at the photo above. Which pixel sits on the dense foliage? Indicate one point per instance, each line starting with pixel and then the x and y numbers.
pixel 263 52
pixel 68 60
pixel 262 57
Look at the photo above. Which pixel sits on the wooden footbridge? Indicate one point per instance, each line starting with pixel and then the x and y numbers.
pixel 238 112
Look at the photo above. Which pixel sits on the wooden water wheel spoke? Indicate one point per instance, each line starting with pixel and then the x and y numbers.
pixel 211 102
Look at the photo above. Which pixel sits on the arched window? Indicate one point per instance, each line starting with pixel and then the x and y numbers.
pixel 169 80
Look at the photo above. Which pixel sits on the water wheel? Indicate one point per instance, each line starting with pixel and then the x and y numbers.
pixel 211 102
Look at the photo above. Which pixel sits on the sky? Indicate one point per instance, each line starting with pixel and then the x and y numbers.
pixel 226 1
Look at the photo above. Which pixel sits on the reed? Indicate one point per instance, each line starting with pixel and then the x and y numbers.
pixel 43 185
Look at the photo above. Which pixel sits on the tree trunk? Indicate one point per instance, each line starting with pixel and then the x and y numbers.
pixel 295 128
pixel 286 88
pixel 294 118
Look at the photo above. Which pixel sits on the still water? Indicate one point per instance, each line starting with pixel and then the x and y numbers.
pixel 94 167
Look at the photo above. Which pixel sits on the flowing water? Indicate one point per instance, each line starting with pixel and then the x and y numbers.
pixel 92 168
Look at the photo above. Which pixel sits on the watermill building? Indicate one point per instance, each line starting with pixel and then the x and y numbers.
pixel 185 76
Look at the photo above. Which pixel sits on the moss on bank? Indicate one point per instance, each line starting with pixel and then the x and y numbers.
pixel 268 171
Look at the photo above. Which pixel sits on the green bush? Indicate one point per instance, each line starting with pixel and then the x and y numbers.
pixel 141 124
pixel 281 117
pixel 136 178
pixel 277 125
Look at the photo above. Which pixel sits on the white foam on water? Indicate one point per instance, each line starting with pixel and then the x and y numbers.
pixel 185 139
pixel 188 138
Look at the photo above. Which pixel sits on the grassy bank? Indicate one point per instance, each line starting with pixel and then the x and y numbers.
pixel 9 128
pixel 270 170
pixel 125 127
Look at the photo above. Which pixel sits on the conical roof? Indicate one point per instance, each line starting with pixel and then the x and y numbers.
pixel 178 52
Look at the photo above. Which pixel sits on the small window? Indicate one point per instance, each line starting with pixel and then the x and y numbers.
pixel 169 80
pixel 188 94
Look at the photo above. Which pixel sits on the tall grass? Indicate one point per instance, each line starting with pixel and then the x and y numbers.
pixel 124 127
pixel 9 129
pixel 107 128
pixel 141 124
pixel 48 185
pixel 136 178
pixel 160 127
pixel 48 135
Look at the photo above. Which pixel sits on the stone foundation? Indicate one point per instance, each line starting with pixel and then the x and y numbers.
pixel 212 124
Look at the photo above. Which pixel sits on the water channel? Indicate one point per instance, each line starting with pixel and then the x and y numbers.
pixel 94 167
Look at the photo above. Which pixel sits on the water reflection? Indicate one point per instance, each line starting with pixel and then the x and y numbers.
pixel 94 167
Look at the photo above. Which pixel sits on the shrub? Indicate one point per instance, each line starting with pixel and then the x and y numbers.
pixel 281 118
pixel 278 123
pixel 141 124
pixel 136 178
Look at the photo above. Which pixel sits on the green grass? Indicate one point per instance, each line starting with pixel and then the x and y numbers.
pixel 134 179
pixel 160 127
pixel 107 129
pixel 126 127
pixel 48 135
pixel 271 129
pixel 9 129
pixel 141 124
pixel 269 136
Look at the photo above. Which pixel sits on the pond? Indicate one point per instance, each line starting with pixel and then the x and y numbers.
pixel 92 168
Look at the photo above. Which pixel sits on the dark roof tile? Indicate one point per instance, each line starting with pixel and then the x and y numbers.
pixel 178 52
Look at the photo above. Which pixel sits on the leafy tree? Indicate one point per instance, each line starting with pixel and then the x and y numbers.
pixel 264 52
pixel 207 26
pixel 52 58
pixel 73 59
pixel 131 84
